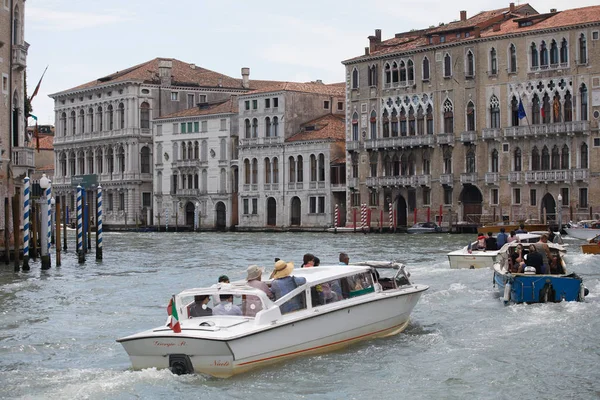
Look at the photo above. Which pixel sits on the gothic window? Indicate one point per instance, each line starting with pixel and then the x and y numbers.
pixel 512 51
pixel 275 127
pixel 254 127
pixel 410 71
pixel 420 121
pixel 394 72
pixel 145 115
pixel 565 158
pixel 300 169
pixel 247 133
pixel 355 78
pixel 373 163
pixel 447 66
pixel 411 121
pixel 426 164
pixel 555 159
pixel 247 171
pixel 394 123
pixel 556 111
pixel 448 162
pixel 494 161
pixel 388 74
pixel 388 166
pixel 425 69
pixel 470 64
pixel 402 71
pixel 535 159
pixel 267 171
pixel 583 155
pixel 553 53
pixel 321 168
pixel 373 75
pixel 470 117
pixel 568 108
pixel 386 124
pixel 402 123
pixel 564 52
pixel 584 102
pixel 16 38
pixel 254 171
pixel 493 62
pixel 355 127
pixel 373 124
pixel 545 159
pixel 429 120
pixel 517 159
pixel 145 160
pixel 582 49
pixel 412 170
pixel 535 110
pixel 403 166
pixel 543 55
pixel 448 117
pixel 292 169
pixel 471 163
pixel 267 127
pixel 494 112
pixel 546 111
pixel 534 57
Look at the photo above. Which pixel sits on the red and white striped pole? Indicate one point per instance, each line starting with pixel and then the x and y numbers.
pixel 336 218
pixel 363 216
pixel 391 216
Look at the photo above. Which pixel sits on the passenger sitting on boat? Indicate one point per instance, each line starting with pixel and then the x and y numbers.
pixel 534 259
pixel 344 259
pixel 308 261
pixel 513 237
pixel 551 235
pixel 283 283
pixel 490 242
pixel 223 279
pixel 502 238
pixel 226 306
pixel 200 308
pixel 556 265
pixel 481 242
pixel 254 275
pixel 544 250
pixel 521 229
pixel 317 261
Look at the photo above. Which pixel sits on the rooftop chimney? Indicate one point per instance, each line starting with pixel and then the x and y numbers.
pixel 435 39
pixel 477 32
pixel 463 15
pixel 164 72
pixel 374 41
pixel 246 78
pixel 496 27
pixel 511 7
pixel 553 10
pixel 367 51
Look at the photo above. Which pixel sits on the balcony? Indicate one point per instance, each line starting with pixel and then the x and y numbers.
pixel 580 175
pixel 400 142
pixel 570 127
pixel 490 133
pixel 19 56
pixel 447 179
pixel 189 163
pixel 468 137
pixel 468 178
pixel 492 178
pixel 424 180
pixel 23 157
pixel 339 187
pixel 548 176
pixel 353 183
pixel 515 177
pixel 397 181
pixel 189 192
pixel 352 145
pixel 445 138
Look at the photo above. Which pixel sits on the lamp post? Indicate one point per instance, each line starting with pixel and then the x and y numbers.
pixel 560 200
pixel 196 211
pixel 45 225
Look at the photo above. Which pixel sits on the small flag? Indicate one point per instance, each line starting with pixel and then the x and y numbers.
pixel 521 113
pixel 469 248
pixel 174 318
pixel 37 88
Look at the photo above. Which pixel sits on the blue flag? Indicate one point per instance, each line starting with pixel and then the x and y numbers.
pixel 521 113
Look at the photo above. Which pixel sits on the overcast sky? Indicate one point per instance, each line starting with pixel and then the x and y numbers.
pixel 281 40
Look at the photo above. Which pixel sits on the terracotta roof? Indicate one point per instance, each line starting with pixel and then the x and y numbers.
pixel 476 20
pixel 339 160
pixel 227 106
pixel 46 142
pixel 329 126
pixel 49 167
pixel 335 89
pixel 182 73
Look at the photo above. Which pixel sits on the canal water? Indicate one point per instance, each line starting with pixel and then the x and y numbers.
pixel 58 327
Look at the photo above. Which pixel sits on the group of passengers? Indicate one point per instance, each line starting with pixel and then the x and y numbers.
pixel 539 258
pixel 283 282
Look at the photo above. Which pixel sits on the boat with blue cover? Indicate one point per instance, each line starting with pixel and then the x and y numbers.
pixel 528 286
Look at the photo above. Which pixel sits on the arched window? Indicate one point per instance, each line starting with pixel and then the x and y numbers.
pixel 394 124
pixel 556 108
pixel 111 119
pixel 546 110
pixel 190 151
pixel 254 127
pixel 386 124
pixel 425 69
pixel 300 169
pixel 100 119
pixel 63 124
pixel 145 115
pixel 403 164
pixel 355 78
pixel 493 62
pixel 545 159
pixel 275 170
pixel 81 122
pixel 62 165
pixel 267 171
pixel 555 160
pixel 394 72
pixel 204 151
pixel 568 107
pixel 429 118
pixel 517 164
pixel 553 53
pixel 355 127
pixel 410 71
pixel 565 158
pixel 535 110
pixel 373 75
pixel 100 161
pixel 448 117
pixel 494 161
pixel 196 151
pixel 535 159
pixel 373 124
pixel 292 170
pixel 16 33
pixel 247 172
pixel 564 52
pixel 373 164
pixel 313 168
pixel 121 116
pixel 420 121
pixel 145 160
pixel 90 120
pixel 184 153
pixel 471 166
pixel 223 150
pixel 387 71
pixel 584 102
pixel 470 72
pixel 402 71
pixel 247 133
pixel 121 159
pixel 582 49
pixel 411 121
pixel 470 117
pixel 494 112
pixel 447 65
pixel 512 58
pixel 321 166
pixel 426 163
pixel 543 55
pixel 534 57
pixel 447 161
pixel 267 127
pixel 275 127
pixel 254 171
pixel 583 156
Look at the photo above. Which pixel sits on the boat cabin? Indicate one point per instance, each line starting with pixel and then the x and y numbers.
pixel 513 254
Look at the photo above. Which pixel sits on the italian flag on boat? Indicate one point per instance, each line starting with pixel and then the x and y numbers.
pixel 173 317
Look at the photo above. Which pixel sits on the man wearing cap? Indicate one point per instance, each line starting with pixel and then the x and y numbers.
pixel 283 283
pixel 253 278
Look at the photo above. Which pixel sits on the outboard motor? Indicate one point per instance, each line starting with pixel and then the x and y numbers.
pixel 180 364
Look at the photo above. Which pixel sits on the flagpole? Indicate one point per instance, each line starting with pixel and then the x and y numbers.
pixel 526 117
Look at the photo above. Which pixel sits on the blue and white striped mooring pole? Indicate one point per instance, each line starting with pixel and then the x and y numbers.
pixel 49 204
pixel 26 194
pixel 80 253
pixel 99 225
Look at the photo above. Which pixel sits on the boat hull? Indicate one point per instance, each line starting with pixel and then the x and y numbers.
pixel 472 261
pixel 539 288
pixel 582 233
pixel 590 248
pixel 325 330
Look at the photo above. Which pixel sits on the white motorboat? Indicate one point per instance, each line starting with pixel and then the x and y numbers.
pixel 366 305
pixel 471 257
pixel 584 230
pixel 424 227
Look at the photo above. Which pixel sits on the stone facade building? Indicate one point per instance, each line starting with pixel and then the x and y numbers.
pixel 103 128
pixel 490 117
pixel 16 158
pixel 291 135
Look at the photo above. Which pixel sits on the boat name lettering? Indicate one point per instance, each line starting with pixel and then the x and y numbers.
pixel 219 363
pixel 163 344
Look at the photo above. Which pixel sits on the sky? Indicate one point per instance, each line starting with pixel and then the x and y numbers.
pixel 81 41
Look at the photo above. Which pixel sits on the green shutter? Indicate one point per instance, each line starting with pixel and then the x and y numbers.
pixel 182 127
pixel 196 126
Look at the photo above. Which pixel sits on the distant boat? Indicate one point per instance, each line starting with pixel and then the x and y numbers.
pixel 592 246
pixel 584 230
pixel 495 228
pixel 424 227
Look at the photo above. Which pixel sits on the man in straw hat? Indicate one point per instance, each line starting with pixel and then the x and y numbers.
pixel 283 283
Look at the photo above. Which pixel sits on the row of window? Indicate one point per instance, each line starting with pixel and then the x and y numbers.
pixel 295 169
pixel 98 162
pixel 182 181
pixel 271 127
pixel 542 55
pixel 99 120
pixel 533 200
pixel 316 205
pixel 268 103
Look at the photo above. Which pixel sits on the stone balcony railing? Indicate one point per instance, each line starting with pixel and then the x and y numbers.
pixel 19 56
pixel 400 142
pixel 353 183
pixel 424 180
pixel 246 142
pixel 352 145
pixel 468 137
pixel 548 176
pixel 490 133
pixel 392 181
pixel 445 138
pixel 515 176
pixel 23 157
pixel 447 179
pixel 468 178
pixel 547 129
pixel 580 174
pixel 492 178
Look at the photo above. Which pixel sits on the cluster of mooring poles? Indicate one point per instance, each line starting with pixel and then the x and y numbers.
pixel 42 222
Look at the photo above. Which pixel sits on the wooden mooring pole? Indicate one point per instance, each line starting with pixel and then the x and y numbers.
pixel 16 206
pixel 57 229
pixel 6 233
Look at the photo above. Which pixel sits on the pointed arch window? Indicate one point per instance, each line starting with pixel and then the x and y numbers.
pixel 386 124
pixel 387 73
pixel 420 121
pixel 568 107
pixel 355 78
pixel 429 117
pixel 373 124
pixel 512 58
pixel 403 125
pixel 447 66
pixel 145 115
pixel 394 123
pixel 545 159
pixel 425 69
pixel 470 117
pixel 402 72
pixel 583 156
pixel 448 117
pixel 582 49
pixel 546 110
pixel 517 161
pixel 535 110
pixel 494 112
pixel 543 55
pixel 583 103
pixel 411 121
pixel 553 53
pixel 494 161
pixel 534 57
pixel 535 159
pixel 470 65
pixel 471 161
pixel 410 71
pixel 493 62
pixel 564 52
pixel 565 157
pixel 556 108
pixel 555 158
pixel 373 75
pixel 448 161
pixel 355 127
pixel 394 72
pixel 373 163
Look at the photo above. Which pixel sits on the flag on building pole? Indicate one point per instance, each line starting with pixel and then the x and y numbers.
pixel 173 317
pixel 521 112
pixel 35 133
pixel 37 88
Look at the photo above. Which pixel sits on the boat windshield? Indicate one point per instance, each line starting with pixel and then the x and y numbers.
pixel 223 304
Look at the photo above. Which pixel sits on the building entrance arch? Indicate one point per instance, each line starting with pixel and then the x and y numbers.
pixel 296 211
pixel 189 214
pixel 472 204
pixel 221 214
pixel 271 212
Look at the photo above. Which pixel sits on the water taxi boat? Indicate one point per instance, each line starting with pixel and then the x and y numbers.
pixel 529 287
pixel 592 246
pixel 369 300
pixel 471 257
pixel 584 230
pixel 424 227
